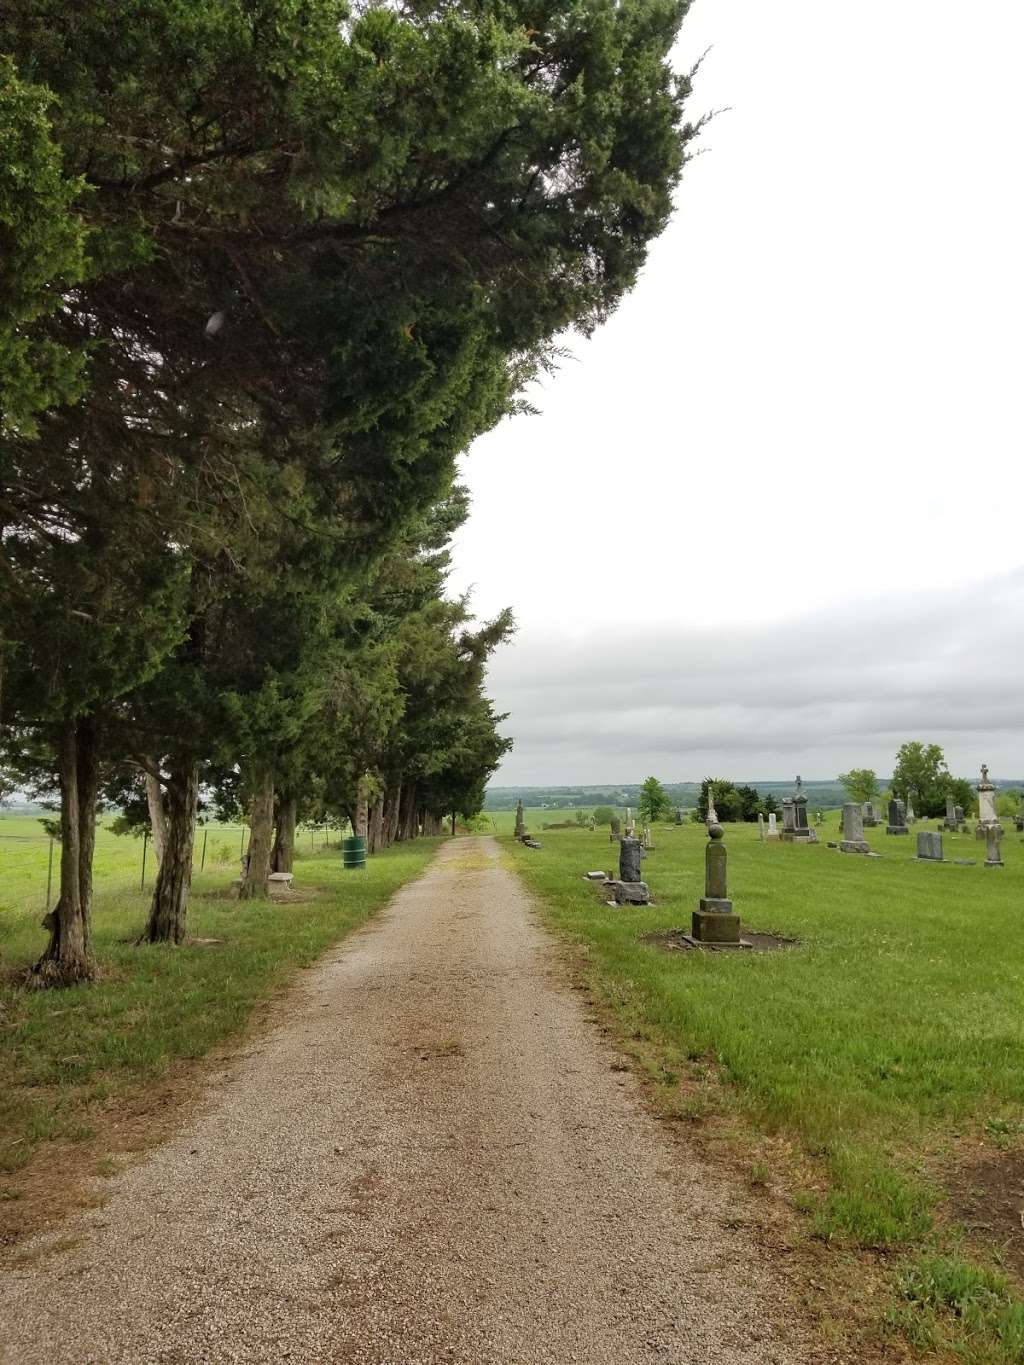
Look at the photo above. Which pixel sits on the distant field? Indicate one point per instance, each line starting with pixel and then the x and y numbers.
pixel 888 1045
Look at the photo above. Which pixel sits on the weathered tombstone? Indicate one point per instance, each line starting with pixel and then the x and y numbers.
pixel 910 816
pixel 950 820
pixel 958 817
pixel 853 840
pixel 629 889
pixel 760 826
pixel 819 817
pixel 712 813
pixel 520 825
pixel 679 816
pixel 897 817
pixel 929 846
pixel 773 828
pixel 714 920
pixel 870 816
pixel 616 829
pixel 629 860
pixel 993 836
pixel 788 818
pixel 987 817
pixel 645 836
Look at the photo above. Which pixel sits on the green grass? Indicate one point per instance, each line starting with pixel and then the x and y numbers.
pixel 64 1052
pixel 894 1029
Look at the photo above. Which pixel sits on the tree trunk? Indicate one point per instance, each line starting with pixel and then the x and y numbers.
pixel 361 822
pixel 391 813
pixel 407 823
pixel 169 905
pixel 375 826
pixel 255 882
pixel 68 958
pixel 157 813
pixel 283 857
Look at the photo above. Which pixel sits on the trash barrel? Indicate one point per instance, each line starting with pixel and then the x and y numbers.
pixel 353 852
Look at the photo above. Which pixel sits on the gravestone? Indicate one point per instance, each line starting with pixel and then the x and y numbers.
pixel 870 815
pixel 773 828
pixel 993 837
pixel 987 817
pixel 679 816
pixel 929 846
pixel 712 813
pixel 629 860
pixel 760 826
pixel 520 825
pixel 714 920
pixel 910 817
pixel 629 889
pixel 616 829
pixel 795 829
pixel 630 824
pixel 897 817
pixel 853 840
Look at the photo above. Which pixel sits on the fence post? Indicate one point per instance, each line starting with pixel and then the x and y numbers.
pixel 145 845
pixel 49 876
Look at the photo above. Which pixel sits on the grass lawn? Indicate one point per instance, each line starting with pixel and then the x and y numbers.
pixel 68 1058
pixel 887 1047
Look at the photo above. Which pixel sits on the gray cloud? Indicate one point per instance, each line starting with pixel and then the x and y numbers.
pixel 816 693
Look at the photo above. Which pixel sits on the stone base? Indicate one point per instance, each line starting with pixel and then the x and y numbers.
pixel 799 836
pixel 715 926
pixel 630 893
pixel 855 846
pixel 1000 863
pixel 896 829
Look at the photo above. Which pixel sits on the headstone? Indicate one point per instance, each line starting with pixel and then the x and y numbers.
pixel 629 860
pixel 819 817
pixel 929 846
pixel 910 816
pixel 870 815
pixel 679 816
pixel 986 802
pixel 714 920
pixel 853 840
pixel 616 829
pixel 645 836
pixel 993 836
pixel 630 893
pixel 630 824
pixel 760 826
pixel 773 829
pixel 520 825
pixel 795 828
pixel 897 817
pixel 958 817
pixel 950 813
pixel 712 813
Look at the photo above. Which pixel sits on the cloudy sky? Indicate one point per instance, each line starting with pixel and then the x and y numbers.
pixel 769 518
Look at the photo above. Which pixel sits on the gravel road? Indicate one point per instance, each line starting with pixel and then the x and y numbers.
pixel 434 1158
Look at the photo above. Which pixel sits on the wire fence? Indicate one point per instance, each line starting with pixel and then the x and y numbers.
pixel 30 860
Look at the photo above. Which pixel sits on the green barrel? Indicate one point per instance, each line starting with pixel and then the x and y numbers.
pixel 353 851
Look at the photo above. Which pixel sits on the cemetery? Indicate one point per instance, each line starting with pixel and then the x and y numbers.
pixel 884 1045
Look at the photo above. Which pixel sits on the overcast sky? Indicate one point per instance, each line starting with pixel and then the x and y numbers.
pixel 769 519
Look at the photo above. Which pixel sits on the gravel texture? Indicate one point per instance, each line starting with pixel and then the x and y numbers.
pixel 434 1158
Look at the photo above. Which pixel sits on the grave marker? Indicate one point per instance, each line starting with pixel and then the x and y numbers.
pixel 714 921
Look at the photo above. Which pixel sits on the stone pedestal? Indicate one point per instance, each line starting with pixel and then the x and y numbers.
pixel 520 825
pixel 853 840
pixel 714 920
